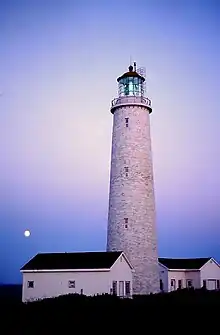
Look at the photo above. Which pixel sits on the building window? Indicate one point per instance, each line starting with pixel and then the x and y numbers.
pixel 71 284
pixel 126 226
pixel 189 283
pixel 30 284
pixel 127 288
pixel 126 220
pixel 126 121
pixel 218 284
pixel 180 283
pixel 173 284
pixel 204 283
pixel 126 171
pixel 114 287
pixel 161 285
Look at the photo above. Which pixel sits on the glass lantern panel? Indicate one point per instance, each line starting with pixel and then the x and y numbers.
pixel 130 86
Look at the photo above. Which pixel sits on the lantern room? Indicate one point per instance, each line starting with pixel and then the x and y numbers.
pixel 131 83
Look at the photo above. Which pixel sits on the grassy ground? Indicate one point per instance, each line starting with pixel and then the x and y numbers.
pixel 183 309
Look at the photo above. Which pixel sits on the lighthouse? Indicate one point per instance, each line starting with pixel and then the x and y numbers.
pixel 131 214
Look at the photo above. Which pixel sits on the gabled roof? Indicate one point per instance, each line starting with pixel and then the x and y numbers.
pixel 184 263
pixel 72 260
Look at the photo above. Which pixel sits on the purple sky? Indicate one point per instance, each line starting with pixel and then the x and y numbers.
pixel 59 61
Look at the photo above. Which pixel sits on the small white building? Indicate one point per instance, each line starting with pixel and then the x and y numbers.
pixel 178 273
pixel 49 275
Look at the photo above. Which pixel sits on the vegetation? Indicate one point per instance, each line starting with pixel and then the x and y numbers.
pixel 184 307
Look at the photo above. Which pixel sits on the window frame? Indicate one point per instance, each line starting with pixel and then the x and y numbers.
pixel 30 283
pixel 71 284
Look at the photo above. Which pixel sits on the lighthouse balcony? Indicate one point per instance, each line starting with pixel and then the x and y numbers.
pixel 132 101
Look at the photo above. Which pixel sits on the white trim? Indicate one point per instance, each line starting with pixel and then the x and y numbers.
pixel 65 270
pixel 28 261
pixel 127 260
pixel 164 266
pixel 122 254
pixel 116 259
pixel 186 270
pixel 211 259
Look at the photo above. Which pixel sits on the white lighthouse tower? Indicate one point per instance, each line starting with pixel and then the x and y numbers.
pixel 131 216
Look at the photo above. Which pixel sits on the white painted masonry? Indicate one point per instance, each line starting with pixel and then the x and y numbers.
pixel 209 272
pixel 163 278
pixel 131 217
pixel 52 283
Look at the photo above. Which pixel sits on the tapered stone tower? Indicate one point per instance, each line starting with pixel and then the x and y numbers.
pixel 131 216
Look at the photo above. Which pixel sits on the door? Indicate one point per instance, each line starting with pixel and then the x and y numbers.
pixel 121 289
pixel 127 288
pixel 180 284
pixel 189 283
pixel 172 284
pixel 211 284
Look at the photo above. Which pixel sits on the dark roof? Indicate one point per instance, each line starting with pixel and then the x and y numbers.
pixel 72 260
pixel 131 74
pixel 184 263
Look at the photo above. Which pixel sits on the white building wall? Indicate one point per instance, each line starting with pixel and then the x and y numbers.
pixel 121 271
pixel 183 276
pixel 210 272
pixel 164 277
pixel 176 275
pixel 52 284
pixel 194 276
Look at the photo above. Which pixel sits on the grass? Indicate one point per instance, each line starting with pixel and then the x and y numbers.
pixel 181 309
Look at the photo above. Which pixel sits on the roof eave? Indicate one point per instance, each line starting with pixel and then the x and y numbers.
pixel 164 266
pixel 64 270
pixel 187 270
pixel 211 258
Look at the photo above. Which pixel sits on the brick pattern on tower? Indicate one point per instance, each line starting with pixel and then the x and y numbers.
pixel 131 217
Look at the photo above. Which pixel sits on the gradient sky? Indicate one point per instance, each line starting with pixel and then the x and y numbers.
pixel 59 61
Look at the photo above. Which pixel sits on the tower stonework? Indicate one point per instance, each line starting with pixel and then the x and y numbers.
pixel 131 215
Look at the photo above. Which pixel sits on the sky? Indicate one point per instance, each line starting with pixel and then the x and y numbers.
pixel 59 60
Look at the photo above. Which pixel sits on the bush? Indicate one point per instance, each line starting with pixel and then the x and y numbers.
pixel 73 309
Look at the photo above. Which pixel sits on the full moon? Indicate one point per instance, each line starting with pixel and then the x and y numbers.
pixel 27 233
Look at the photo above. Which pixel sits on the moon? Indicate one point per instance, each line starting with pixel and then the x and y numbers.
pixel 27 233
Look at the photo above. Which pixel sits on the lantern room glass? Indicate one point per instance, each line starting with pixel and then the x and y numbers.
pixel 131 86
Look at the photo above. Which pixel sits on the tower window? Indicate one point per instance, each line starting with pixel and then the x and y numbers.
pixel 126 171
pixel 126 121
pixel 126 226
pixel 126 220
